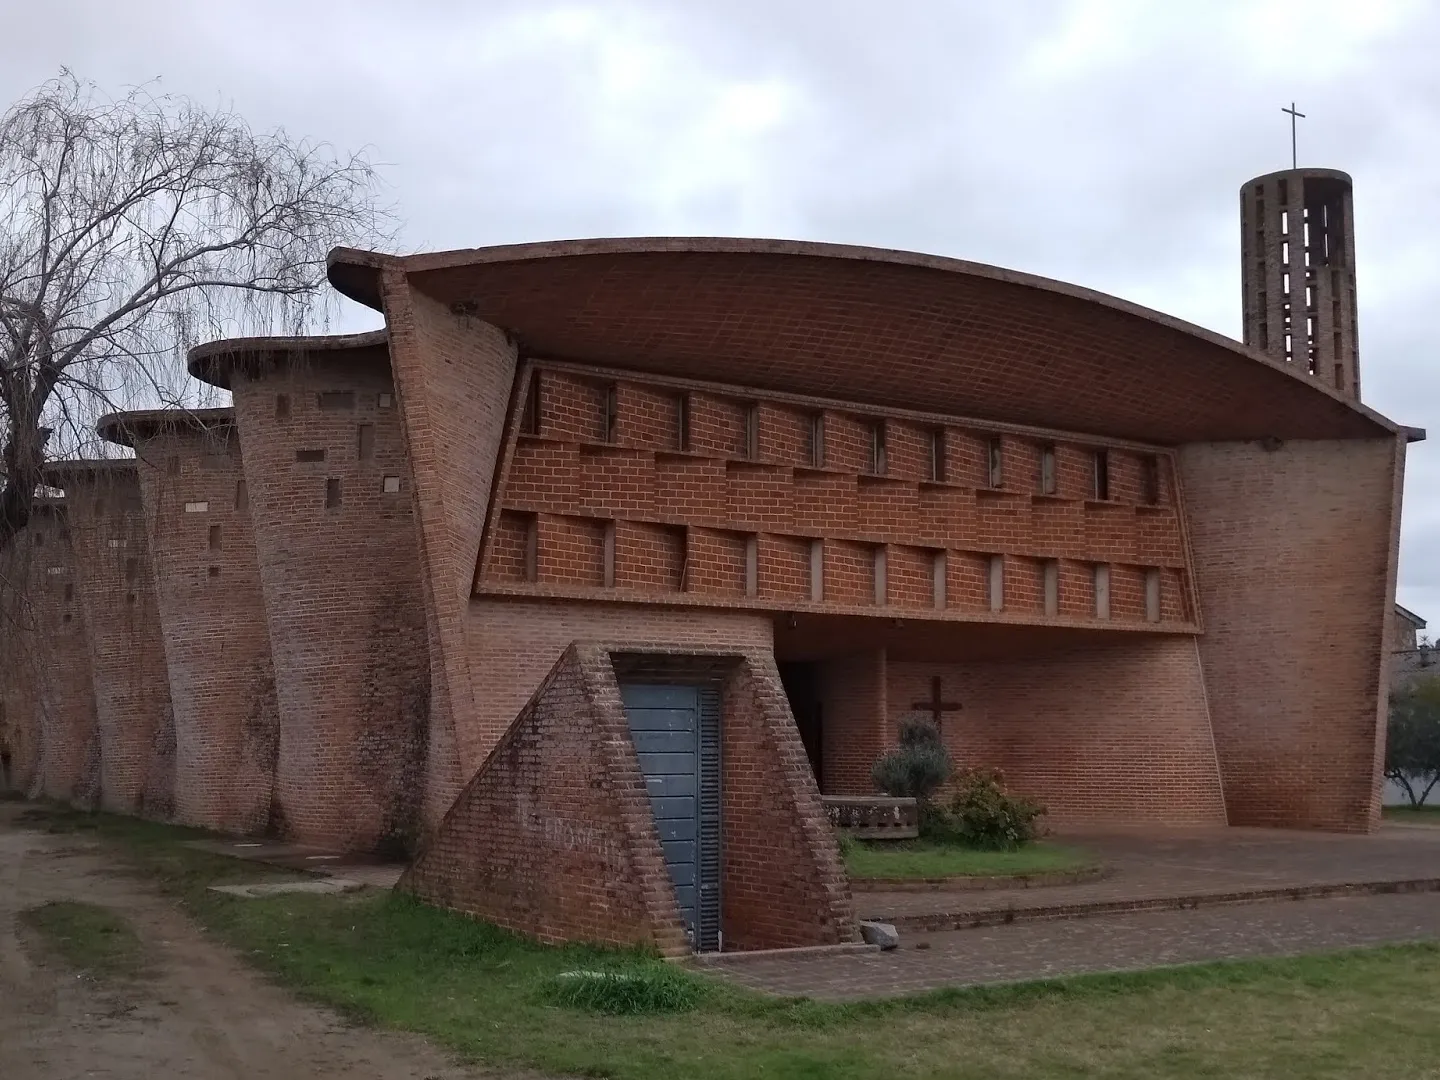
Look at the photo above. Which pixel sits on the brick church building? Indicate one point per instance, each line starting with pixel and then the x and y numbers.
pixel 605 559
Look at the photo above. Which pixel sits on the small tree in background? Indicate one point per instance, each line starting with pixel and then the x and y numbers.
pixel 917 767
pixel 1412 744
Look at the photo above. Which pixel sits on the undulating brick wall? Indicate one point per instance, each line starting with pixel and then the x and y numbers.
pixel 127 653
pixel 644 490
pixel 1295 552
pixel 330 499
pixel 65 693
pixel 454 378
pixel 554 836
pixel 1112 731
pixel 514 642
pixel 21 657
pixel 212 616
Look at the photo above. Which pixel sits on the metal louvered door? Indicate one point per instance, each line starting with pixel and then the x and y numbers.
pixel 676 732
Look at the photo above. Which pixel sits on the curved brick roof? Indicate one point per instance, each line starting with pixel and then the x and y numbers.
pixel 125 427
pixel 889 327
pixel 215 361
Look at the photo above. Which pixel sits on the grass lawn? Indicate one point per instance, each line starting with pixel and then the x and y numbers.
pixel 1429 814
pixel 88 937
pixel 488 995
pixel 923 859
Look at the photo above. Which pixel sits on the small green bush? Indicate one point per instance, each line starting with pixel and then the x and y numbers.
pixel 983 815
pixel 626 991
pixel 917 767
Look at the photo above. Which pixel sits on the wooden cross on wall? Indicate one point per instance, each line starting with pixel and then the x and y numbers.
pixel 937 706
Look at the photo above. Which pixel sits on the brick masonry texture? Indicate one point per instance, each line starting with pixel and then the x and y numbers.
pixel 113 582
pixel 1295 553
pixel 554 836
pixel 212 614
pixel 21 652
pixel 1114 732
pixel 54 736
pixel 340 570
pixel 454 378
pixel 515 641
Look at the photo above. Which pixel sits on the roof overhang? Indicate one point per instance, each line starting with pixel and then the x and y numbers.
pixel 217 362
pixel 868 325
pixel 128 428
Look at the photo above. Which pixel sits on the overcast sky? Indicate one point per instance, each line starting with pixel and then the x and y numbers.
pixel 1102 142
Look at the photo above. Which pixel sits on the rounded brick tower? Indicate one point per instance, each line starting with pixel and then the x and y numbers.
pixel 1298 271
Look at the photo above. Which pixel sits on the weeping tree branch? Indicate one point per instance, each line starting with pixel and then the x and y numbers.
pixel 134 228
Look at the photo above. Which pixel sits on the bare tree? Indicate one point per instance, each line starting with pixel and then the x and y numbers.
pixel 132 228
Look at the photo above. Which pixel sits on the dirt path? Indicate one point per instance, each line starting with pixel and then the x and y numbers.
pixel 202 1014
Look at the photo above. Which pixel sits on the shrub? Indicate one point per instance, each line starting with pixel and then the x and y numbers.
pixel 626 991
pixel 917 767
pixel 982 815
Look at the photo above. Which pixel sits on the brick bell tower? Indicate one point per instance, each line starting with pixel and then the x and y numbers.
pixel 1298 271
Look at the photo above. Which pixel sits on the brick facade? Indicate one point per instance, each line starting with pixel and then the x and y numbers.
pixel 331 503
pixel 1295 552
pixel 20 654
pixel 454 377
pixel 69 765
pixel 553 836
pixel 106 525
pixel 212 615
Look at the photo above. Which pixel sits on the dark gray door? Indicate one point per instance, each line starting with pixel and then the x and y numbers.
pixel 675 730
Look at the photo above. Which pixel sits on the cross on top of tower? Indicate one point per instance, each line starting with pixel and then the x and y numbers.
pixel 1294 115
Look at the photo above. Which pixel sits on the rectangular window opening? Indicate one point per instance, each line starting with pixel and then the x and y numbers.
pixel 994 477
pixel 937 455
pixel 214 571
pixel 532 544
pixel 309 455
pixel 938 565
pixel 214 538
pixel 242 496
pixel 1152 595
pixel 335 400
pixel 332 493
pixel 1150 479
pixel 1047 469
pixel 384 401
pixel 389 485
pixel 69 591
pixel 610 413
pixel 682 421
pixel 1102 475
pixel 132 569
pixel 817 440
pixel 752 431
pixel 365 441
pixel 282 406
pixel 1102 591
pixel 995 583
pixel 530 417
pixel 878 463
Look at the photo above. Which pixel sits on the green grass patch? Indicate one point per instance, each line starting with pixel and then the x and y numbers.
pixel 926 859
pixel 1428 814
pixel 88 937
pixel 495 997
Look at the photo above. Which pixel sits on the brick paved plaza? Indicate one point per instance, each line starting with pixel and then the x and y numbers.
pixel 1195 868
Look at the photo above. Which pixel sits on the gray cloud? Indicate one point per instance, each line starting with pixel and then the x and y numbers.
pixel 1098 141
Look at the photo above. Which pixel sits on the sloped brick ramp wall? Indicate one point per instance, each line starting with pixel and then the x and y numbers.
pixel 553 836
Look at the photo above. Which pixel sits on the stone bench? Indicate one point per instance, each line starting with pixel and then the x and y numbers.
pixel 873 817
